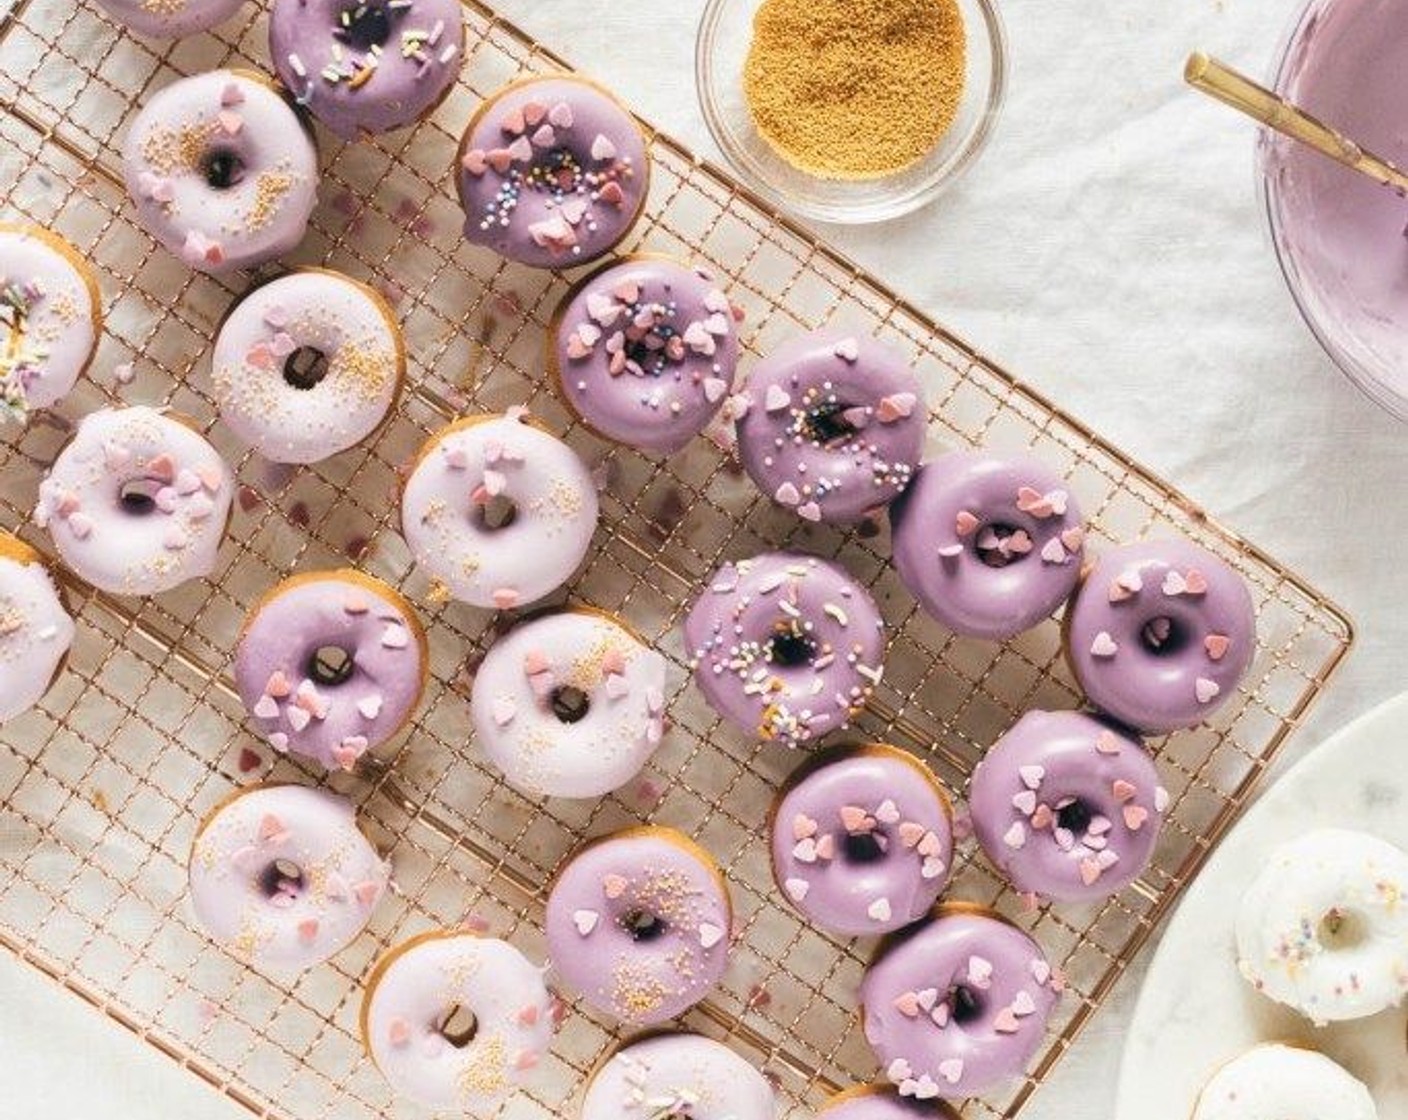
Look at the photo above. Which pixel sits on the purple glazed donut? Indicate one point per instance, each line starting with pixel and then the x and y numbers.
pixel 882 1102
pixel 958 1005
pixel 222 171
pixel 787 646
pixel 331 665
pixel 645 352
pixel 1160 634
pixel 862 839
pixel 831 425
pixel 170 19
pixel 1067 807
pixel 638 923
pixel 552 172
pixel 367 66
pixel 989 544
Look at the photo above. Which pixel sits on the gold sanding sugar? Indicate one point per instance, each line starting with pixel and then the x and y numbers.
pixel 855 89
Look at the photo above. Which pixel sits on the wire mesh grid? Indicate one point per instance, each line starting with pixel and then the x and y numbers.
pixel 101 787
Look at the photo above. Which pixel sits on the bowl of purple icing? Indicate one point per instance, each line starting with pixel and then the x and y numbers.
pixel 1342 240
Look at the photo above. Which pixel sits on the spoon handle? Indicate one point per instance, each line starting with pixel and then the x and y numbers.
pixel 1220 81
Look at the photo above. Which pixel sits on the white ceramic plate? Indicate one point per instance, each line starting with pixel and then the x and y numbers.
pixel 1196 1011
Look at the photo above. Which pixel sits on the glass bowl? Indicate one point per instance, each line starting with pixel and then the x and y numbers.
pixel 1354 305
pixel 725 35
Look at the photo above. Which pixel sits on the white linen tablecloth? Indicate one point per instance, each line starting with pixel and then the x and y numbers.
pixel 1109 248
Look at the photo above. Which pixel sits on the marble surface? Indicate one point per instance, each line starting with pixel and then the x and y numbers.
pixel 1110 248
pixel 1195 1013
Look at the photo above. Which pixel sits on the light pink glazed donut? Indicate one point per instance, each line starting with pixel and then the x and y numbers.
pixel 35 630
pixel 137 501
pixel 50 318
pixel 456 1022
pixel 221 170
pixel 283 877
pixel 497 511
pixel 308 365
pixel 170 19
pixel 678 1075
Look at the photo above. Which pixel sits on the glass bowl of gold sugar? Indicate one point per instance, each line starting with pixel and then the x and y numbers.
pixel 851 110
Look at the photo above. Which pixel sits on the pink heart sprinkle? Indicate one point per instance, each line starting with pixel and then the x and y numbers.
pixel 1206 690
pixel 561 115
pixel 1135 816
pixel 475 162
pixel 907 1004
pixel 398 1031
pixel 803 826
pixel 1216 646
pixel 965 523
pixel 1005 1022
pixel 230 122
pixel 1122 790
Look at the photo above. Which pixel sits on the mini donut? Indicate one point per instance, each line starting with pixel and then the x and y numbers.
pixel 678 1075
pixel 367 66
pixel 1278 1082
pixel 862 839
pixel 51 314
pixel 137 501
pixel 831 425
pixel 882 1102
pixel 498 511
pixel 282 876
pixel 308 365
pixel 1068 807
pixel 331 665
pixel 170 19
pixel 36 631
pixel 570 704
pixel 989 544
pixel 1160 634
pixel 221 170
pixel 957 1005
pixel 645 352
pixel 1324 927
pixel 638 924
pixel 787 646
pixel 552 172
pixel 456 1022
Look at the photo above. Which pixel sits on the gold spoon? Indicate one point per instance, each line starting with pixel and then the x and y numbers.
pixel 1232 88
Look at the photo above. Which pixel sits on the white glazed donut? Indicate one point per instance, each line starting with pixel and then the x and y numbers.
pixel 1278 1082
pixel 35 630
pixel 419 995
pixel 283 877
pixel 570 705
pixel 308 365
pixel 137 501
pixel 50 317
pixel 1324 928
pixel 450 510
pixel 683 1075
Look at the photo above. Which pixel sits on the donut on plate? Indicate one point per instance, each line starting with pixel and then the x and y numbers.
pixel 308 365
pixel 35 629
pixel 1274 1081
pixel 221 170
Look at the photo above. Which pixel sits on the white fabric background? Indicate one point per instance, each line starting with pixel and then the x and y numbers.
pixel 1109 248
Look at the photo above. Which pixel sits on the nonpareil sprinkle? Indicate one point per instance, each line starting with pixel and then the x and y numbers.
pixel 855 89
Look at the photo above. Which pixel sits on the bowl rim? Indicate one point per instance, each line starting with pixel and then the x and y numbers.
pixel 1354 370
pixel 999 65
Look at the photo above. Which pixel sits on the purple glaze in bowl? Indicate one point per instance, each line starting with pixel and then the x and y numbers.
pixel 957 1005
pixel 1067 807
pixel 1160 634
pixel 553 172
pixel 989 544
pixel 832 425
pixel 645 352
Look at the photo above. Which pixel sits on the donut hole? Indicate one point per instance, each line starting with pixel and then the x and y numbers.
pixel 863 847
pixel 993 544
pixel 282 877
pixel 642 925
pixel 137 496
pixel 330 666
pixel 365 26
pixel 790 647
pixel 1342 929
pixel 498 512
pixel 457 1026
pixel 1163 635
pixel 964 1005
pixel 1074 816
pixel 222 169
pixel 305 368
pixel 569 704
pixel 826 424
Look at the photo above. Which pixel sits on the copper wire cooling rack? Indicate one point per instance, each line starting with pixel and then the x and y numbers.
pixel 101 787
